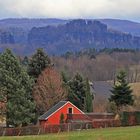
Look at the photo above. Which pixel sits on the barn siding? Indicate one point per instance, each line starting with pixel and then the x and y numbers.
pixel 54 119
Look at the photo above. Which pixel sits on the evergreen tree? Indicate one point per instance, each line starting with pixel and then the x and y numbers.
pixel 89 98
pixel 77 91
pixel 25 61
pixel 65 80
pixel 62 117
pixel 64 77
pixel 121 92
pixel 111 107
pixel 16 87
pixel 38 63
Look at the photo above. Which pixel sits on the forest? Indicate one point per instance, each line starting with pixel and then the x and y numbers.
pixel 101 65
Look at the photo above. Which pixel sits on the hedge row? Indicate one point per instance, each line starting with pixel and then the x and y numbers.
pixel 130 118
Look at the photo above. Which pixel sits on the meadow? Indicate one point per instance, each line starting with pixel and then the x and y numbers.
pixel 122 133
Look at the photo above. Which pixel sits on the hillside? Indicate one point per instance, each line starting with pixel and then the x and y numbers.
pixel 123 25
pixel 6 37
pixel 79 34
pixel 27 24
pixel 136 88
pixel 102 88
pixel 58 36
pixel 19 28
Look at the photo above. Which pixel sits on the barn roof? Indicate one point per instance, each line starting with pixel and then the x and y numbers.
pixel 52 110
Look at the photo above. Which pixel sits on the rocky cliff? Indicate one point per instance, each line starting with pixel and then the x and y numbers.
pixel 78 34
pixel 58 38
pixel 6 38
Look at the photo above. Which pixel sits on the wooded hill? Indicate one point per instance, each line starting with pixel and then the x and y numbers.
pixel 101 65
pixel 56 36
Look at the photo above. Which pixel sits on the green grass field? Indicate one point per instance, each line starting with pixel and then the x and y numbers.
pixel 127 133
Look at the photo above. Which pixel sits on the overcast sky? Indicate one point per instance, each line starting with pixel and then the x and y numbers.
pixel 122 9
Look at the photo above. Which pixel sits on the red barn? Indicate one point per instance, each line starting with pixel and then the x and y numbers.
pixel 52 116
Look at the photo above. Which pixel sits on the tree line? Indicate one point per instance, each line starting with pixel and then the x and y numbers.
pixel 101 65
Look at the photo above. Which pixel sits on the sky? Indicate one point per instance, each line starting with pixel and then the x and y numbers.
pixel 69 9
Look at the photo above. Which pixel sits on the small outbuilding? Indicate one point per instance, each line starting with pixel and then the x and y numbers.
pixel 52 116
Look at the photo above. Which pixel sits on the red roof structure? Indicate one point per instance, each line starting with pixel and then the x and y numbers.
pixel 52 116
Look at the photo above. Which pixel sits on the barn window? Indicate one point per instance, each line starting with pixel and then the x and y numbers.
pixel 70 110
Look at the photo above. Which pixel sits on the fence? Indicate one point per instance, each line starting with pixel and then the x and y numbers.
pixel 106 123
pixel 21 131
pixel 76 122
pixel 38 130
pixel 90 117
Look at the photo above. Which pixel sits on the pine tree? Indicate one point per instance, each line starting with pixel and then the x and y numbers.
pixel 65 80
pixel 25 61
pixel 121 92
pixel 77 91
pixel 16 87
pixel 62 117
pixel 64 77
pixel 38 63
pixel 89 98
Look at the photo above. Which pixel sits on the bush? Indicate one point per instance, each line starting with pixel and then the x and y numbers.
pixel 111 107
pixel 137 114
pixel 125 118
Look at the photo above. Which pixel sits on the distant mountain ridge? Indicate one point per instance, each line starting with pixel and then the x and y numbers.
pixel 58 36
pixel 123 25
pixel 79 34
pixel 27 23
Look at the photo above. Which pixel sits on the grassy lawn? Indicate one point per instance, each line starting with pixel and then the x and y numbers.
pixel 127 133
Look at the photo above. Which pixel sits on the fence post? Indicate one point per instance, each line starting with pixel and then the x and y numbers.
pixel 38 131
pixel 4 131
pixel 69 127
pixel 19 132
